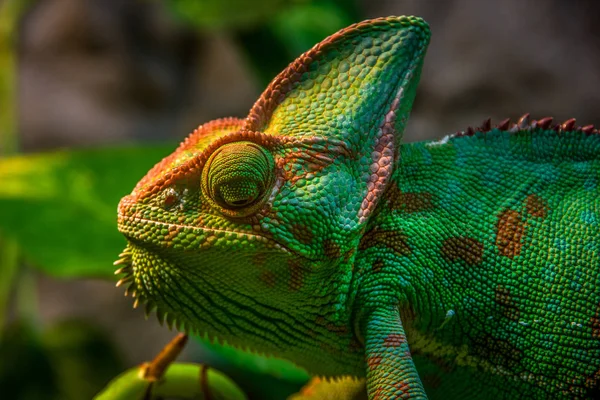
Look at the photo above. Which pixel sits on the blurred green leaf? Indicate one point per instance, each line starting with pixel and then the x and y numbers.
pixel 271 46
pixel 181 381
pixel 83 358
pixel 61 207
pixel 26 370
pixel 213 14
pixel 302 26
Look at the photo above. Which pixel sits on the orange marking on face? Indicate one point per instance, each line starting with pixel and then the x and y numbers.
pixel 510 229
pixel 308 163
pixel 173 232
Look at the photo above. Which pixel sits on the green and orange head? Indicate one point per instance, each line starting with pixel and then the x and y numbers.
pixel 247 231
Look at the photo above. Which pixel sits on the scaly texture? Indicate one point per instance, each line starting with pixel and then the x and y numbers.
pixel 464 268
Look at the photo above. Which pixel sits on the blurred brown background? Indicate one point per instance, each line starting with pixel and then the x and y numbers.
pixel 108 72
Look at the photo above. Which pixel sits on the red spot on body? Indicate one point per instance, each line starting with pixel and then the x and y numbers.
pixel 378 265
pixel 296 275
pixel 536 206
pixel 331 249
pixel 497 351
pixel 373 362
pixel 408 202
pixel 504 299
pixel 380 394
pixel 402 387
pixel 466 249
pixel 595 323
pixel 259 259
pixel 354 346
pixel 302 233
pixel 592 382
pixel 392 239
pixel 331 327
pixel 349 254
pixel 268 278
pixel 510 229
pixel 394 340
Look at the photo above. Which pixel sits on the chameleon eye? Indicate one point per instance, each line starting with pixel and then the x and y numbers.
pixel 236 177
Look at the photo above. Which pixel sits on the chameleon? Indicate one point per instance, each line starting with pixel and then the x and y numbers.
pixel 466 267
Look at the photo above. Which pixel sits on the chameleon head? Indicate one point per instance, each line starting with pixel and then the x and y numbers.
pixel 247 232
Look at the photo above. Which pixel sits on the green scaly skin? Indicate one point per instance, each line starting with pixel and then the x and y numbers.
pixel 306 232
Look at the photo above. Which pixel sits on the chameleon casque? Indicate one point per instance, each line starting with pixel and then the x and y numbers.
pixel 462 268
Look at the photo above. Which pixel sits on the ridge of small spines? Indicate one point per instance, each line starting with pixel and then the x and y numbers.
pixel 223 123
pixel 526 123
pixel 162 316
pixel 338 378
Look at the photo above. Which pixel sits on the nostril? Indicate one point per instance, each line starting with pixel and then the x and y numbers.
pixel 125 205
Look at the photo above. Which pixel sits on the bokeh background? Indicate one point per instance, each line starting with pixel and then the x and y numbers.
pixel 89 74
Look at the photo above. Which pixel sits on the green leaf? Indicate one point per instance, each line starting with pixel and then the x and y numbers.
pixel 301 26
pixel 261 377
pixel 220 14
pixel 181 380
pixel 61 207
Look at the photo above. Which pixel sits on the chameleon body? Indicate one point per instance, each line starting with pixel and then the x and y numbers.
pixel 463 268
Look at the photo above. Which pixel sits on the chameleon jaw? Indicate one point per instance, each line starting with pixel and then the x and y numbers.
pixel 133 288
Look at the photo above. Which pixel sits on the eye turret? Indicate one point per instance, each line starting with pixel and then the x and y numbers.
pixel 237 176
